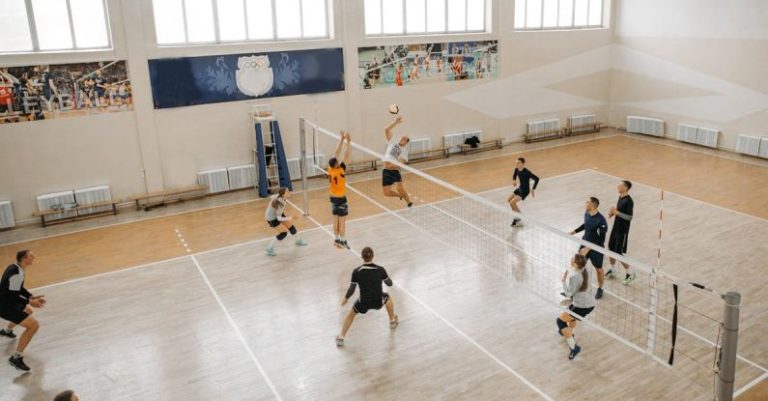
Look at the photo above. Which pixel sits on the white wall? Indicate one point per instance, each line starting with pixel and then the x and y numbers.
pixel 701 62
pixel 543 75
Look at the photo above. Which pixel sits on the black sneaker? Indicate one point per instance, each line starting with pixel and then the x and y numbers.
pixel 599 293
pixel 344 244
pixel 515 221
pixel 7 333
pixel 18 363
pixel 575 351
pixel 338 243
pixel 410 204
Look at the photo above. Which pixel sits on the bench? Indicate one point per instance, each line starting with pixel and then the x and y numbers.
pixel 481 147
pixel 80 211
pixel 583 129
pixel 543 135
pixel 162 198
pixel 432 154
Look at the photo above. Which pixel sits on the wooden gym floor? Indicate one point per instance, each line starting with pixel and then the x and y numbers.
pixel 164 330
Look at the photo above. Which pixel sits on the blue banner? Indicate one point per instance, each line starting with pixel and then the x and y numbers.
pixel 189 81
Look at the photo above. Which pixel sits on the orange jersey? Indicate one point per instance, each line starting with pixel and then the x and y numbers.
pixel 338 180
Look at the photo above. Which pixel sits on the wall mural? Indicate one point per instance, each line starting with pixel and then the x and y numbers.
pixel 403 65
pixel 190 81
pixel 41 92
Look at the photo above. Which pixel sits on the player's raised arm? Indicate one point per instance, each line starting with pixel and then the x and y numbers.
pixel 349 149
pixel 337 152
pixel 392 125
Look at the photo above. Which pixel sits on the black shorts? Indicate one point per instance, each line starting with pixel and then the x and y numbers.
pixel 339 206
pixel 389 177
pixel 362 307
pixel 275 222
pixel 595 257
pixel 583 312
pixel 14 315
pixel 521 193
pixel 618 241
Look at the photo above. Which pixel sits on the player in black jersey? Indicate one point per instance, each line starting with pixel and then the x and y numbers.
pixel 619 239
pixel 16 305
pixel 522 180
pixel 369 277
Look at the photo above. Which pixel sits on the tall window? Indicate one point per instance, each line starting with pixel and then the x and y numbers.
pixel 217 21
pixel 47 25
pixel 558 14
pixel 420 17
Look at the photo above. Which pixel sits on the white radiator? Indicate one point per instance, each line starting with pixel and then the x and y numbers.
pixel 57 200
pixel 6 215
pixel 294 166
pixel 454 140
pixel 645 125
pixel 242 176
pixel 748 145
pixel 763 148
pixel 697 135
pixel 419 148
pixel 543 126
pixel 707 137
pixel 583 122
pixel 687 133
pixel 216 180
pixel 85 196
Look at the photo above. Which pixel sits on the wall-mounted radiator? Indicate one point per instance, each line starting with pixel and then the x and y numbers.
pixel 6 215
pixel 453 141
pixel 645 125
pixel 216 180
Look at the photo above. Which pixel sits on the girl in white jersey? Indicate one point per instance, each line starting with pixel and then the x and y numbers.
pixel 276 218
pixel 575 286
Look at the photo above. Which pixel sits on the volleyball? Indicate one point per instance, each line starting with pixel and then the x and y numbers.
pixel 393 109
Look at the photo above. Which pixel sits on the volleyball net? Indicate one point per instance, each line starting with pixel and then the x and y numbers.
pixel 685 326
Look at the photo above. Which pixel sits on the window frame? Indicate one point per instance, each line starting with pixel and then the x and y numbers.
pixel 484 30
pixel 573 25
pixel 217 34
pixel 33 36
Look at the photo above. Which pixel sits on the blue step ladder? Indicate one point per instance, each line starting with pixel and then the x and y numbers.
pixel 269 154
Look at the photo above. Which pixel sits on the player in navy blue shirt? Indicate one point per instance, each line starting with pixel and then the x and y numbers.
pixel 524 177
pixel 595 229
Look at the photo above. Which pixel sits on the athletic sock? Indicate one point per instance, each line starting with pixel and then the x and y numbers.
pixel 272 243
pixel 571 342
pixel 630 270
pixel 17 355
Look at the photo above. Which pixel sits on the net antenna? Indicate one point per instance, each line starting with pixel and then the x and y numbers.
pixel 681 311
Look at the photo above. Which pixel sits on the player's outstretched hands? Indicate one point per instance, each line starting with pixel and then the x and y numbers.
pixel 399 119
pixel 37 302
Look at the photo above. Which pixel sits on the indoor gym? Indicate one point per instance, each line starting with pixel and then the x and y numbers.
pixel 143 141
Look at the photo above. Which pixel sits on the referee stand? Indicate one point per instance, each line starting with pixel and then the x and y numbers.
pixel 269 154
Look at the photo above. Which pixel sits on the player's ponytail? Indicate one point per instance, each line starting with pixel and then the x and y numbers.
pixel 581 263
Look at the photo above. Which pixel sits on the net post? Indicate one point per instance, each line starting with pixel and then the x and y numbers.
pixel 726 371
pixel 303 164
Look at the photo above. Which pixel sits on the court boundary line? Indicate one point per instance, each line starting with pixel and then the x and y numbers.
pixel 751 384
pixel 642 184
pixel 688 331
pixel 449 164
pixel 249 242
pixel 446 321
pixel 236 329
pixel 593 324
pixel 608 135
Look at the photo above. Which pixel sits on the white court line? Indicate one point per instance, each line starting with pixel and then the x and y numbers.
pixel 141 219
pixel 707 341
pixel 236 330
pixel 177 258
pixel 749 385
pixel 683 196
pixel 456 329
pixel 593 324
pixel 138 220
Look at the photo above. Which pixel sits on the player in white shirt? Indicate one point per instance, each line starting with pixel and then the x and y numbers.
pixel 397 151
pixel 277 219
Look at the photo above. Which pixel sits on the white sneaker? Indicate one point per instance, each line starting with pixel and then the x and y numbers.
pixel 301 242
pixel 270 251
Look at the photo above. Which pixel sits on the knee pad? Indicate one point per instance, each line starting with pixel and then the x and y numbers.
pixel 561 325
pixel 293 230
pixel 281 236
